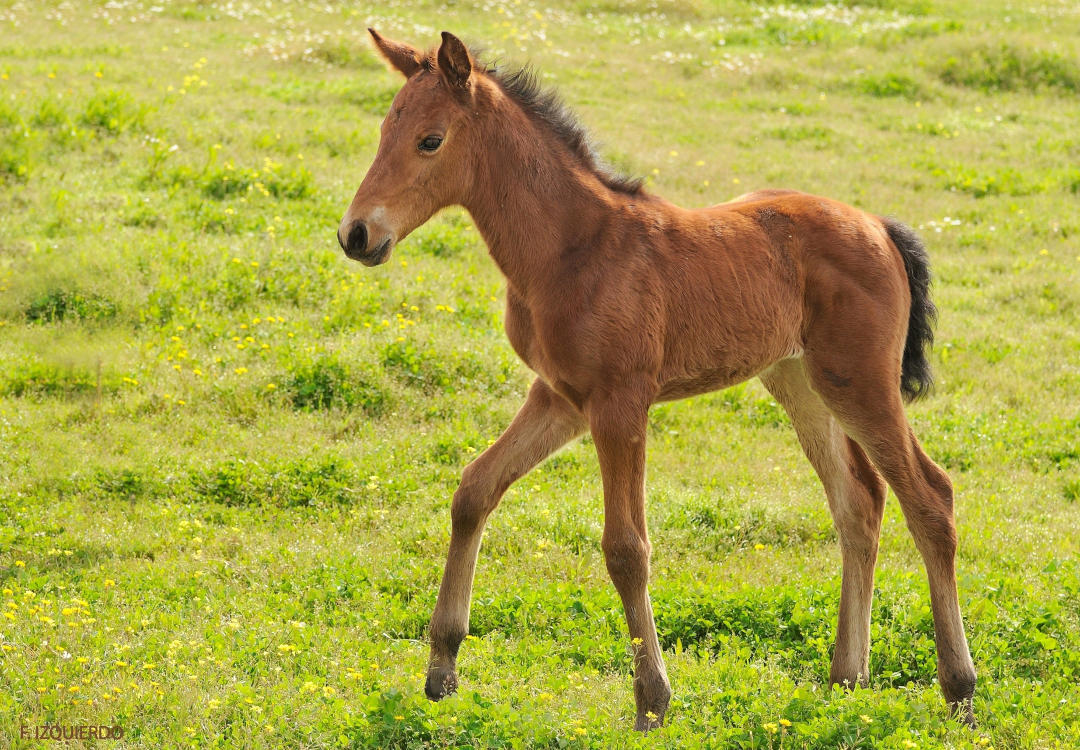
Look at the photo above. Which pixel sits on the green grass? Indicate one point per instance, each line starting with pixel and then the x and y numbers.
pixel 228 453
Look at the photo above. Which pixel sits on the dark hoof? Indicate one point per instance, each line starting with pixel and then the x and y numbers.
pixel 848 683
pixel 963 712
pixel 652 702
pixel 958 693
pixel 647 721
pixel 440 683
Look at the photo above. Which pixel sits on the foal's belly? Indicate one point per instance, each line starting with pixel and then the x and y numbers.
pixel 705 373
pixel 711 380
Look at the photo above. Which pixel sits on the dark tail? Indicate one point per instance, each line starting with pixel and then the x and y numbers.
pixel 915 376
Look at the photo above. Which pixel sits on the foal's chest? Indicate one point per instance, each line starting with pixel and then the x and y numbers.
pixel 548 346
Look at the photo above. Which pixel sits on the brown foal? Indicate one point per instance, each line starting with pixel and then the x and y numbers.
pixel 618 299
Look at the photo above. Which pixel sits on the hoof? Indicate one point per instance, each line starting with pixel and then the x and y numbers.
pixel 647 721
pixel 859 680
pixel 440 683
pixel 958 693
pixel 652 704
pixel 962 711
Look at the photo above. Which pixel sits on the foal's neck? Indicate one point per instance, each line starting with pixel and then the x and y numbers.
pixel 534 203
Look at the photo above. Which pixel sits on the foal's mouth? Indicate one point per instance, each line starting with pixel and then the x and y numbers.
pixel 377 256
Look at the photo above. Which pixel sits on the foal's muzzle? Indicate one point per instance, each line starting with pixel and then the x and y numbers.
pixel 357 245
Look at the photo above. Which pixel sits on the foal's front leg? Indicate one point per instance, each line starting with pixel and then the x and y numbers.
pixel 545 422
pixel 618 427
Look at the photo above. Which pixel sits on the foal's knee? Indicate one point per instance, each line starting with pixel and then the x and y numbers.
pixel 474 500
pixel 857 512
pixel 858 536
pixel 627 556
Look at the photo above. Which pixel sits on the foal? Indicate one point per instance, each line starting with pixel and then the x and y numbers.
pixel 618 299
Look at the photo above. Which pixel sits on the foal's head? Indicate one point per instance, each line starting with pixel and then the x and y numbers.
pixel 421 165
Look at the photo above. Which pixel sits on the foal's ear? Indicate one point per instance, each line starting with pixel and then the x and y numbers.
pixel 455 62
pixel 402 57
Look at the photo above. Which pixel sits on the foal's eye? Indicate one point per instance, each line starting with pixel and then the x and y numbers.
pixel 431 143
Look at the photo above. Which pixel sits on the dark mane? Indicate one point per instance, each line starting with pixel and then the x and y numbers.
pixel 547 107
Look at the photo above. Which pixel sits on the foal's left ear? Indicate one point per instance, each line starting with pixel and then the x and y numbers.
pixel 404 58
pixel 455 62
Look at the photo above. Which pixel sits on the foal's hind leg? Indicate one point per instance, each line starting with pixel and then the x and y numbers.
pixel 867 402
pixel 856 496
pixel 545 422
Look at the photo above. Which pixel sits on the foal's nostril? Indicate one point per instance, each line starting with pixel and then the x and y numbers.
pixel 357 240
pixel 340 241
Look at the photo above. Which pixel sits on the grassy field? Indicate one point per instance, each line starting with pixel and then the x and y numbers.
pixel 227 453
